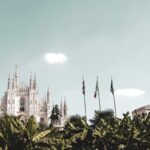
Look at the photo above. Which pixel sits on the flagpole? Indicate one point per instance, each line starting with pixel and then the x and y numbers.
pixel 83 88
pixel 99 96
pixel 113 93
pixel 115 105
pixel 85 106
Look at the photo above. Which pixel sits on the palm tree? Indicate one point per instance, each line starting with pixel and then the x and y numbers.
pixel 14 135
pixel 78 133
pixel 33 136
pixel 104 133
pixel 104 126
pixel 99 116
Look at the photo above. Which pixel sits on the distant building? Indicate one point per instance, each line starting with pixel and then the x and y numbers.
pixel 23 100
pixel 142 110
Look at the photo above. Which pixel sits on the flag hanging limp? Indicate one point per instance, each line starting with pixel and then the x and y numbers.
pixel 83 87
pixel 96 89
pixel 112 91
pixel 112 87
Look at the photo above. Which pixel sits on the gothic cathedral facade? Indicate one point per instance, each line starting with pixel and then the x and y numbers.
pixel 23 100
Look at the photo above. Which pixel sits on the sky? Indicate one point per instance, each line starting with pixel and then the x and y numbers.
pixel 63 40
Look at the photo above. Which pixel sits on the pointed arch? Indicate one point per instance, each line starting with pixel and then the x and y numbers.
pixel 22 104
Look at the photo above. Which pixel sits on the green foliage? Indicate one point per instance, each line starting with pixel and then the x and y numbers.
pixel 104 133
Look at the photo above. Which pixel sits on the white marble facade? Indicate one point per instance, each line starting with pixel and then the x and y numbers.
pixel 23 99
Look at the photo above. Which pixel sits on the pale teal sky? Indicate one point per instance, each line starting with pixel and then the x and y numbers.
pixel 99 37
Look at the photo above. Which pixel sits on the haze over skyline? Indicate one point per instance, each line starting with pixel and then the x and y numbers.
pixel 63 40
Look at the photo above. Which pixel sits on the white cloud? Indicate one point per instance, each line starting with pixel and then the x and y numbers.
pixel 55 58
pixel 129 92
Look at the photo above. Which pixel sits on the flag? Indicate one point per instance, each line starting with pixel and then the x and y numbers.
pixel 112 91
pixel 96 89
pixel 83 87
pixel 111 87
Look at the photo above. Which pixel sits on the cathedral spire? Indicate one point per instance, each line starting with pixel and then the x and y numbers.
pixel 61 107
pixel 31 82
pixel 65 108
pixel 34 82
pixel 48 94
pixel 16 76
pixel 16 70
pixel 13 82
pixel 9 82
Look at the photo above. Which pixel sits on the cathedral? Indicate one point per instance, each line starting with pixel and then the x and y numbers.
pixel 23 100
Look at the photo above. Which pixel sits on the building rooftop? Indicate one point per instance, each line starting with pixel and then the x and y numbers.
pixel 146 107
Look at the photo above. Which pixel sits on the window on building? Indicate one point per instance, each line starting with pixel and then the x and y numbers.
pixel 41 119
pixel 22 104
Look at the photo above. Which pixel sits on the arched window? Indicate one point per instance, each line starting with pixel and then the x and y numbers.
pixel 22 104
pixel 42 120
